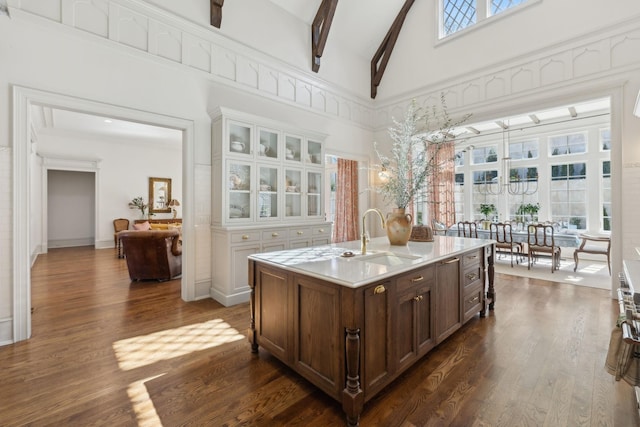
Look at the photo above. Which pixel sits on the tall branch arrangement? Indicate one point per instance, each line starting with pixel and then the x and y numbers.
pixel 417 141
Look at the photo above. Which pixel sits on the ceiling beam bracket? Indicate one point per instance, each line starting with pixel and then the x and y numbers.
pixel 320 31
pixel 381 57
pixel 216 12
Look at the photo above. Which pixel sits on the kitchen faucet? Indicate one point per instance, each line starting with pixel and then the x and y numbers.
pixel 363 246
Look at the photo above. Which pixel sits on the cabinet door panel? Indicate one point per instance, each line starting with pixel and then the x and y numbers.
pixel 272 299
pixel 448 297
pixel 405 330
pixel 425 319
pixel 377 319
pixel 318 336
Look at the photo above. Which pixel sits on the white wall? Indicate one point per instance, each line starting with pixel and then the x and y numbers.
pixel 71 208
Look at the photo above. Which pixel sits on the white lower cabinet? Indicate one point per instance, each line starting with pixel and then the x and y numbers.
pixel 232 245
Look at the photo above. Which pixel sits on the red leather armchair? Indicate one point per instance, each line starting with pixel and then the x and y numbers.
pixel 153 254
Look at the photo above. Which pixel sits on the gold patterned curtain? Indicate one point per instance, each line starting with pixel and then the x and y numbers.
pixel 345 226
pixel 442 206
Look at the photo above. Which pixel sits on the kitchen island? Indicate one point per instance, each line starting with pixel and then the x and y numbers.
pixel 351 323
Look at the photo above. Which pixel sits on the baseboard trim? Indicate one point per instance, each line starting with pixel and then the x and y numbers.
pixel 229 300
pixel 6 331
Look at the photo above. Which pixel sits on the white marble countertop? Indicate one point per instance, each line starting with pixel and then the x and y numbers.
pixel 381 261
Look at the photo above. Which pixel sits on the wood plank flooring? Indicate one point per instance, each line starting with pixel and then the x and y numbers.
pixel 107 352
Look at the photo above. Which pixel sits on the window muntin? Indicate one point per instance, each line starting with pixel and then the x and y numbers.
pixel 568 193
pixel 484 155
pixel 523 150
pixel 561 145
pixel 498 6
pixel 606 196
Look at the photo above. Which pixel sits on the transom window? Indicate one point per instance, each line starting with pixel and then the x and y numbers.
pixel 523 150
pixel 460 14
pixel 568 144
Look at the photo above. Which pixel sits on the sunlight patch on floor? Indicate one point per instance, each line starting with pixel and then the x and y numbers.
pixel 142 404
pixel 164 345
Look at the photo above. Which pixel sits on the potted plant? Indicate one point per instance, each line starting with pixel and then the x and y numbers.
pixel 414 159
pixel 487 209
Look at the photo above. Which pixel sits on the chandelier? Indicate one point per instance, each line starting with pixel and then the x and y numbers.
pixel 510 181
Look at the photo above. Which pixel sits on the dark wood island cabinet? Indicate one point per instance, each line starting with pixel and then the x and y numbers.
pixel 351 326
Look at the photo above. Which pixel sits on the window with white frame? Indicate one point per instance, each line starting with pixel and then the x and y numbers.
pixel 569 195
pixel 482 180
pixel 561 145
pixel 523 150
pixel 456 15
pixel 484 155
pixel 606 195
pixel 459 196
pixel 605 139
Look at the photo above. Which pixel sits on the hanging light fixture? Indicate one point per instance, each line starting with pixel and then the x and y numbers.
pixel 505 182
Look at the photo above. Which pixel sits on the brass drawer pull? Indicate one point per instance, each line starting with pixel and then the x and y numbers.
pixel 245 237
pixel 472 276
pixel 472 256
pixel 418 298
pixel 474 299
pixel 300 233
pixel 321 230
pixel 380 289
pixel 417 279
pixel 451 261
pixel 274 234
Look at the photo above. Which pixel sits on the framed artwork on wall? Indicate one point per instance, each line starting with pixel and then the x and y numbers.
pixel 159 195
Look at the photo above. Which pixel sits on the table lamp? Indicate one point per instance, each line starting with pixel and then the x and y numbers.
pixel 172 204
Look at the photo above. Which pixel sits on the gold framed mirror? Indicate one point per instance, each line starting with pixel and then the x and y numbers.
pixel 159 195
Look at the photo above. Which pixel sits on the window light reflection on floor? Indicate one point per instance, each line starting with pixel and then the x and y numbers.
pixel 144 350
pixel 142 404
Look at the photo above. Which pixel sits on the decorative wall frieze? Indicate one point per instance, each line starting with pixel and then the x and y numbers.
pixel 602 54
pixel 149 30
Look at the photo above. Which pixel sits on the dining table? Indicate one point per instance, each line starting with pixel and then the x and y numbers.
pixel 565 238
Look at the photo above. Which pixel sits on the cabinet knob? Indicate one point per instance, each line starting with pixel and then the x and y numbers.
pixel 300 233
pixel 245 237
pixel 321 230
pixel 380 289
pixel 274 234
pixel 418 298
pixel 417 279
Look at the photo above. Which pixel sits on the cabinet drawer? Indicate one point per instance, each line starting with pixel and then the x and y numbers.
pixel 321 231
pixel 409 280
pixel 299 232
pixel 473 298
pixel 245 237
pixel 472 258
pixel 472 276
pixel 271 235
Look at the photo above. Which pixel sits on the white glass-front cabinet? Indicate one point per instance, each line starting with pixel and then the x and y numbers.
pixel 267 195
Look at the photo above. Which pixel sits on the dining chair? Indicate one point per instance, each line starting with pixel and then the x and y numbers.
pixel 467 229
pixel 439 228
pixel 540 239
pixel 601 247
pixel 501 233
pixel 119 224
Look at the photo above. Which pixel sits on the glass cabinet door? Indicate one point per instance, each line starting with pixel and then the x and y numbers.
pixel 268 144
pixel 240 186
pixel 293 148
pixel 239 141
pixel 293 197
pixel 314 200
pixel 268 192
pixel 314 152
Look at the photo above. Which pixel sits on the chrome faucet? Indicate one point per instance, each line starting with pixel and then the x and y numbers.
pixel 363 246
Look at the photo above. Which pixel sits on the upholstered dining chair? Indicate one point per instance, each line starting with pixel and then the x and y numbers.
pixel 119 224
pixel 467 229
pixel 540 239
pixel 439 228
pixel 501 233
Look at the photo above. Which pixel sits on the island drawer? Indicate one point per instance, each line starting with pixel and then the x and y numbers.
pixel 245 237
pixel 472 301
pixel 414 278
pixel 472 275
pixel 472 258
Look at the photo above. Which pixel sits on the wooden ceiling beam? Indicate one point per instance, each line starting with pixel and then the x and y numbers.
pixel 381 57
pixel 320 31
pixel 216 12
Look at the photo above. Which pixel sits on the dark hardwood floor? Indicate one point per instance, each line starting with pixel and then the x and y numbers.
pixel 108 352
